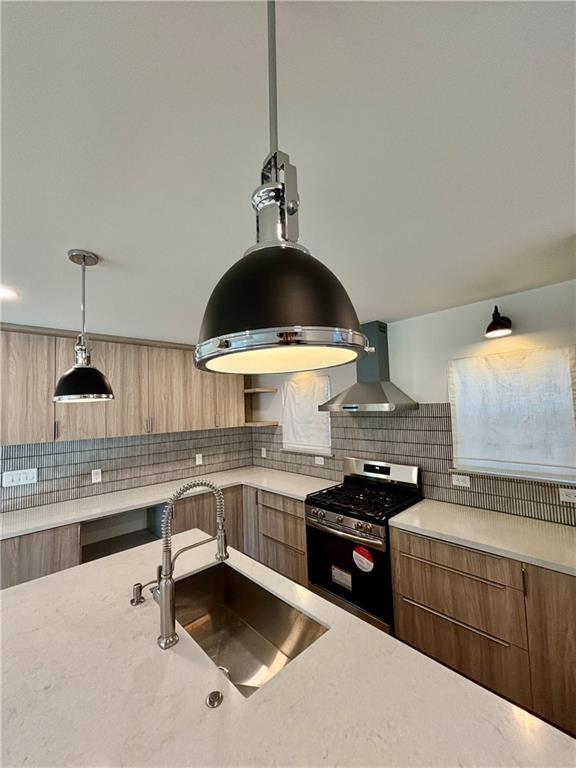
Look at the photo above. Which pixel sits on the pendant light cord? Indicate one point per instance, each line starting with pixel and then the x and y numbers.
pixel 272 84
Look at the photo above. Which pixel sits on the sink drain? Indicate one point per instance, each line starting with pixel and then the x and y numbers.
pixel 214 699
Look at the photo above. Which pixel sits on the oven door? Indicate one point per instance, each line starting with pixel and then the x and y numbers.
pixel 352 567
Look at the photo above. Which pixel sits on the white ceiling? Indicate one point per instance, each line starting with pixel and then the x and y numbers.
pixel 434 144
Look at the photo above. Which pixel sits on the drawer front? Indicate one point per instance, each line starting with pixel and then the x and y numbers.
pixel 485 605
pixel 283 559
pixel 491 567
pixel 282 527
pixel 500 666
pixel 281 503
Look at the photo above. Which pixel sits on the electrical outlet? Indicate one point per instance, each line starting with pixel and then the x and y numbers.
pixel 198 459
pixel 263 453
pixel 19 477
pixel 319 460
pixel 568 495
pixel 461 481
pixel 96 475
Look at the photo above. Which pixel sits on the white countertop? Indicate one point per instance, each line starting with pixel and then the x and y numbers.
pixel 33 519
pixel 548 545
pixel 84 684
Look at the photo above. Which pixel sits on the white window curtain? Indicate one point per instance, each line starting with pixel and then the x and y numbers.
pixel 304 428
pixel 514 414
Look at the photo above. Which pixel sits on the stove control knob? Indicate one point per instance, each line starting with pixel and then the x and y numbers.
pixel 339 519
pixel 321 514
pixel 368 527
pixel 359 526
pixel 314 512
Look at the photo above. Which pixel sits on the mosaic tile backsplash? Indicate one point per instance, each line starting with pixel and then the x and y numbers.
pixel 421 437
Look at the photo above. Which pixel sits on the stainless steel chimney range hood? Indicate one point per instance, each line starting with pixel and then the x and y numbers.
pixel 374 390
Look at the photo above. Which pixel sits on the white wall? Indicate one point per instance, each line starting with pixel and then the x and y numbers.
pixel 420 347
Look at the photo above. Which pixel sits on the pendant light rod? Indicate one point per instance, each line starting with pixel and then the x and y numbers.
pixel 272 77
pixel 83 300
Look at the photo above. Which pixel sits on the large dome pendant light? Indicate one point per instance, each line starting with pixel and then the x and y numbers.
pixel 83 383
pixel 278 309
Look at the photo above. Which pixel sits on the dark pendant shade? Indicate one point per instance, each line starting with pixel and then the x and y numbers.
pixel 82 384
pixel 500 326
pixel 278 299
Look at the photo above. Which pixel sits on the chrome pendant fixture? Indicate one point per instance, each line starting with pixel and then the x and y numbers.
pixel 83 383
pixel 278 309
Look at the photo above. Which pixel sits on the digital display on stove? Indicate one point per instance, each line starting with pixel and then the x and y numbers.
pixel 377 469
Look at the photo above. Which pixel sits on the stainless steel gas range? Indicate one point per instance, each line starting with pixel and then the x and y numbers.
pixel 347 535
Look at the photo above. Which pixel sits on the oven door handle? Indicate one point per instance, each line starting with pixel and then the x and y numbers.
pixel 327 528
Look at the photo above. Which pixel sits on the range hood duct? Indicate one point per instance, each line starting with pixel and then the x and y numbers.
pixel 374 390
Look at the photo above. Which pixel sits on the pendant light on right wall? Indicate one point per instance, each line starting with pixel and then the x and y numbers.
pixel 499 326
pixel 278 309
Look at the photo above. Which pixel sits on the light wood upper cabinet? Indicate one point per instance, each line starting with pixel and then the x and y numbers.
pixel 79 421
pixel 156 389
pixel 127 370
pixel 167 372
pixel 229 410
pixel 27 386
pixel 551 616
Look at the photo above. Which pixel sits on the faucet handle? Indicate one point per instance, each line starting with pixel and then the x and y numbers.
pixel 137 596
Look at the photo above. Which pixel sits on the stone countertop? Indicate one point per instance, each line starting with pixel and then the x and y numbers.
pixel 34 519
pixel 84 684
pixel 548 545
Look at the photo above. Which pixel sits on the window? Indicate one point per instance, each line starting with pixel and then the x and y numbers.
pixel 514 414
pixel 304 428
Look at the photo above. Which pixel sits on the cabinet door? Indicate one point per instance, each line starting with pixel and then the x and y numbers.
pixel 551 615
pixel 37 554
pixel 199 511
pixel 27 386
pixel 127 371
pixel 79 421
pixel 167 370
pixel 250 521
pixel 223 400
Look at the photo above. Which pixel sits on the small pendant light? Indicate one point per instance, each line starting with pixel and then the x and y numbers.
pixel 278 309
pixel 83 383
pixel 500 326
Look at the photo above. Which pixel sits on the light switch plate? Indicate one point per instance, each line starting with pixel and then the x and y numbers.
pixel 199 459
pixel 96 475
pixel 319 460
pixel 19 477
pixel 263 452
pixel 461 481
pixel 568 495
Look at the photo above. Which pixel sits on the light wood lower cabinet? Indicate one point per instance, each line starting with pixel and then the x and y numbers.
pixel 507 625
pixel 199 511
pixel 287 561
pixel 250 521
pixel 498 665
pixel 551 615
pixel 282 535
pixel 37 554
pixel 26 386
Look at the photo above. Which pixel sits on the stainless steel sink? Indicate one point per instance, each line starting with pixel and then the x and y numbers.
pixel 248 632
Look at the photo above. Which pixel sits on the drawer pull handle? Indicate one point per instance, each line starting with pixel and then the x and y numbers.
pixel 455 546
pixel 453 570
pixel 459 623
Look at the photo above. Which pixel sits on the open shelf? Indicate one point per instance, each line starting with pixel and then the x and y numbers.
pixel 260 390
pixel 98 549
pixel 261 424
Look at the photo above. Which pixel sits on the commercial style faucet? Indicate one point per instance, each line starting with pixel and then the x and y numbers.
pixel 164 591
